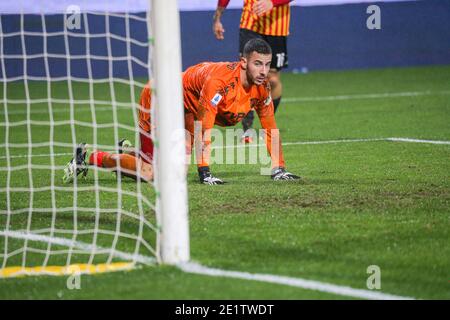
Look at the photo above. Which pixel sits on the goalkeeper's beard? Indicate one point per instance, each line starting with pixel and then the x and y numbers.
pixel 249 76
pixel 251 79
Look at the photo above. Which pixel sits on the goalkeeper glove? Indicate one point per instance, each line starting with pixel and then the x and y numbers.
pixel 280 173
pixel 207 178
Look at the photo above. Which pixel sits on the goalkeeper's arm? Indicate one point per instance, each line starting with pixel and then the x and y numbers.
pixel 273 144
pixel 203 143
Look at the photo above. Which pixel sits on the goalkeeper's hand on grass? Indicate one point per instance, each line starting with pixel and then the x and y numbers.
pixel 207 178
pixel 280 173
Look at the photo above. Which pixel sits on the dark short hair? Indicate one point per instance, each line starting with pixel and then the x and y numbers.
pixel 258 45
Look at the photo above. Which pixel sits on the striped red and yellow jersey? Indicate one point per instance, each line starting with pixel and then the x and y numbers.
pixel 273 23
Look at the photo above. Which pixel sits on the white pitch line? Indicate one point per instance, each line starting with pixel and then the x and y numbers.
pixel 417 140
pixel 79 245
pixel 67 110
pixel 336 141
pixel 36 155
pixel 284 144
pixel 195 268
pixel 285 100
pixel 365 96
pixel 305 143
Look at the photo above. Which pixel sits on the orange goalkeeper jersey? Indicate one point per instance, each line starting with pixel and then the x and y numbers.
pixel 214 94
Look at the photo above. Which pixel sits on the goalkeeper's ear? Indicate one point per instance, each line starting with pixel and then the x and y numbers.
pixel 243 62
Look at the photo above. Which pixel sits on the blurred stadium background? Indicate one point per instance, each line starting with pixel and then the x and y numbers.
pixel 322 36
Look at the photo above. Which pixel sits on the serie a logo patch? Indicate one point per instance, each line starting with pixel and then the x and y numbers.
pixel 268 100
pixel 216 99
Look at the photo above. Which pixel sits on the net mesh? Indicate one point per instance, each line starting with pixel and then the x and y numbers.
pixel 66 79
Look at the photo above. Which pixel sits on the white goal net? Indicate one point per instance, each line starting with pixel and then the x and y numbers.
pixel 65 78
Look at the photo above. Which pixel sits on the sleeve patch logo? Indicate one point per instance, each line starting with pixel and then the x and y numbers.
pixel 268 100
pixel 216 99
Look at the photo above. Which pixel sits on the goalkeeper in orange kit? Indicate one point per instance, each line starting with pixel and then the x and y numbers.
pixel 268 20
pixel 219 93
pixel 125 164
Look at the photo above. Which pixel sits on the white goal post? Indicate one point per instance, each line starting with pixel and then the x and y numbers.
pixel 170 157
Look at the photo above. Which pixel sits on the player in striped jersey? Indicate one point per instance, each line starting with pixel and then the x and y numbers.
pixel 215 93
pixel 269 20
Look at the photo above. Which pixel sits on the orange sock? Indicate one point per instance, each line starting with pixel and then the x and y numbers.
pixel 120 161
pixel 128 165
pixel 124 163
pixel 96 158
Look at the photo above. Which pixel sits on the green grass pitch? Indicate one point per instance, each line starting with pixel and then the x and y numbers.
pixel 362 203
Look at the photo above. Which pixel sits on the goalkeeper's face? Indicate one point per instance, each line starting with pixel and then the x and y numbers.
pixel 257 67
